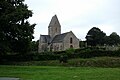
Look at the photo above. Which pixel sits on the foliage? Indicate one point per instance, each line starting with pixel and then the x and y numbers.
pixel 69 51
pixel 82 44
pixel 78 62
pixel 34 46
pixel 95 37
pixel 114 39
pixel 96 62
pixel 29 57
pixel 63 59
pixel 78 53
pixel 16 33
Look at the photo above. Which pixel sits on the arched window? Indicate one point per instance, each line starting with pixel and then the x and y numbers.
pixel 71 40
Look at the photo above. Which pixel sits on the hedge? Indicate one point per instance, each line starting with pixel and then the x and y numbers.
pixel 78 53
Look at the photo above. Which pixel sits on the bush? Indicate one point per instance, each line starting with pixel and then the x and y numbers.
pixel 96 62
pixel 63 59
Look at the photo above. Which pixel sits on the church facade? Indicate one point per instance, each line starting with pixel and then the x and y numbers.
pixel 55 41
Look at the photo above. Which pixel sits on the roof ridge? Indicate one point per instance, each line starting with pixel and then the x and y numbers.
pixel 66 33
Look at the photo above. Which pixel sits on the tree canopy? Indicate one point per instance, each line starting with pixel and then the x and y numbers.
pixel 95 37
pixel 114 39
pixel 16 32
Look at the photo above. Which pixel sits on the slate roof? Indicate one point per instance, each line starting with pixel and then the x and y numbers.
pixel 56 39
pixel 45 38
pixel 59 38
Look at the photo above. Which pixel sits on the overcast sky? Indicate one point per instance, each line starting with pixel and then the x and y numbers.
pixel 78 16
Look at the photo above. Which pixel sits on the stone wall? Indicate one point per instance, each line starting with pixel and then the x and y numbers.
pixel 57 47
pixel 67 43
pixel 42 47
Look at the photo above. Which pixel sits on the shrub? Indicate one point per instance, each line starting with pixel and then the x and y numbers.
pixel 63 59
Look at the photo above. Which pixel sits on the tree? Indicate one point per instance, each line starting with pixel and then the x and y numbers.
pixel 114 39
pixel 107 40
pixel 16 33
pixel 95 37
pixel 34 46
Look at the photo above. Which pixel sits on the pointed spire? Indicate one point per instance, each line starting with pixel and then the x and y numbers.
pixel 54 20
pixel 55 15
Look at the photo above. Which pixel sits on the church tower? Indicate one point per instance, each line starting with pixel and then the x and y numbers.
pixel 54 27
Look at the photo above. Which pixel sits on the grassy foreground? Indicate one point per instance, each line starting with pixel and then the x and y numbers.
pixel 59 73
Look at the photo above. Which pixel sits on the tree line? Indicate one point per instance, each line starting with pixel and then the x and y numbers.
pixel 96 37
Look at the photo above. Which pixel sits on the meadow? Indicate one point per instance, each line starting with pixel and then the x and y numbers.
pixel 59 73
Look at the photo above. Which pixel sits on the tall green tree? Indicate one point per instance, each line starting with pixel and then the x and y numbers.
pixel 95 37
pixel 16 33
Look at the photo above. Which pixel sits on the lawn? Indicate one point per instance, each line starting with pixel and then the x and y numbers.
pixel 59 73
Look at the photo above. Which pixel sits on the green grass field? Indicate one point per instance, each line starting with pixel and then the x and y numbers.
pixel 59 73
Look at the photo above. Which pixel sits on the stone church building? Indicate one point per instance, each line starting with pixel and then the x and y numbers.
pixel 55 41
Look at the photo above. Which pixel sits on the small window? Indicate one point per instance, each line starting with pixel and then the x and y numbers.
pixel 71 40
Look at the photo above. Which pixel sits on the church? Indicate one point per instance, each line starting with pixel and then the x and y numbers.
pixel 55 41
